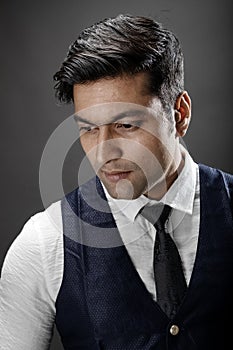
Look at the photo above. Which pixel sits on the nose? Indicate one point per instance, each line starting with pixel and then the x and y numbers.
pixel 108 145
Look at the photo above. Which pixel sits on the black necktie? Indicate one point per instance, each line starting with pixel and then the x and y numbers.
pixel 169 277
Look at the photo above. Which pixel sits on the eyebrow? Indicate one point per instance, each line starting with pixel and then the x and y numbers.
pixel 132 113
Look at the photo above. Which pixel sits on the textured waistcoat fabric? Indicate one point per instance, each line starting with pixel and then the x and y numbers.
pixel 103 303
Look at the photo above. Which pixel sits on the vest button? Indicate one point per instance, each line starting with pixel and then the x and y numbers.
pixel 174 330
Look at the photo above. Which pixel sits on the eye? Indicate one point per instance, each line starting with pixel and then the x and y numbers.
pixel 128 126
pixel 87 129
pixel 84 128
pixel 124 125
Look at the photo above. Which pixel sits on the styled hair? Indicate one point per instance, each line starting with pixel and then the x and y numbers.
pixel 122 45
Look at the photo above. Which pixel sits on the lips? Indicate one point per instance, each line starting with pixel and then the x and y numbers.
pixel 116 175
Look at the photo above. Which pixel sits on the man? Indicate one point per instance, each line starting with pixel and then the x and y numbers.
pixel 104 278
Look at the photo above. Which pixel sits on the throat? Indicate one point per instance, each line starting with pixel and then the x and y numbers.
pixel 160 189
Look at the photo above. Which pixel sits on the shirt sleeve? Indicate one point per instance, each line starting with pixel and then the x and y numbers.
pixel 27 293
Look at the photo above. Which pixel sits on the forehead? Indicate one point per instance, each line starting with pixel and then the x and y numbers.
pixel 114 111
pixel 129 89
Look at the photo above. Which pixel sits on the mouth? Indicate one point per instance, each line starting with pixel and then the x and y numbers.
pixel 116 175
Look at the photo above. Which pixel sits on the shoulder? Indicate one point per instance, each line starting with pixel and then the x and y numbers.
pixel 217 179
pixel 211 172
pixel 39 234
pixel 41 227
pixel 36 253
pixel 47 223
pixel 30 280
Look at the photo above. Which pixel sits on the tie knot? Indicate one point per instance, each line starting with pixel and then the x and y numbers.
pixel 157 215
pixel 160 223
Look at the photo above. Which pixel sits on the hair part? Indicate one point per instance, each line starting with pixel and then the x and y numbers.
pixel 124 45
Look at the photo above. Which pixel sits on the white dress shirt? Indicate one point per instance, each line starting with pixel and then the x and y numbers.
pixel 33 268
pixel 138 234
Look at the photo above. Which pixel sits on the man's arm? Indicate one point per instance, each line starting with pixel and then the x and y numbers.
pixel 26 305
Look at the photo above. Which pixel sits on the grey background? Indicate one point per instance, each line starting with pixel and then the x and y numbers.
pixel 35 36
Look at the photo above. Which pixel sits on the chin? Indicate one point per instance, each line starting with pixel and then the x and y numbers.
pixel 123 190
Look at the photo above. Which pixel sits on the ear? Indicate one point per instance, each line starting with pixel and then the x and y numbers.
pixel 182 113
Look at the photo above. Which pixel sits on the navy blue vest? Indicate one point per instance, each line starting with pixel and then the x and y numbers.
pixel 103 303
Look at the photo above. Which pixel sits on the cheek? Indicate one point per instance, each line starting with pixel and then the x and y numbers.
pixel 86 144
pixel 88 149
pixel 151 146
pixel 154 159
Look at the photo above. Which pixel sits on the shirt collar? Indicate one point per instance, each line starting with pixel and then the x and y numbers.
pixel 180 195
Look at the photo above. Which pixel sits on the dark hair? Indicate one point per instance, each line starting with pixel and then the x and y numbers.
pixel 124 45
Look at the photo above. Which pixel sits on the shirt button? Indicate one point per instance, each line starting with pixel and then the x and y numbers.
pixel 174 330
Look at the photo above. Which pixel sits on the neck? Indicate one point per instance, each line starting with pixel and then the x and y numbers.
pixel 171 173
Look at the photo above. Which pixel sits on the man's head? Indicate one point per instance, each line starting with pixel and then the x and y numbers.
pixel 124 45
pixel 118 67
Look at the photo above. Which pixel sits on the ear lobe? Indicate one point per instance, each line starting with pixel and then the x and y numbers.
pixel 182 113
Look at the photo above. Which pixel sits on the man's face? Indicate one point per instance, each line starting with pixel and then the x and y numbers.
pixel 126 136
